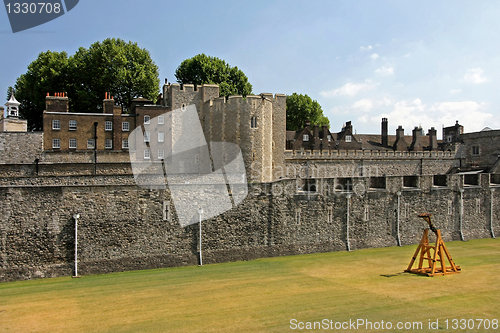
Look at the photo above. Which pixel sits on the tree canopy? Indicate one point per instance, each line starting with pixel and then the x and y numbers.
pixel 301 108
pixel 202 69
pixel 48 73
pixel 115 66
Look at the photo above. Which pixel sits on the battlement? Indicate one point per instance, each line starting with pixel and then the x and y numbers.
pixel 363 154
pixel 247 99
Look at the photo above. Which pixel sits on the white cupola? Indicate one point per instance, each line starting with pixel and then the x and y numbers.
pixel 12 107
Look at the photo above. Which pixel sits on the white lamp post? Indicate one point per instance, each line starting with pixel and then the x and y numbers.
pixel 200 211
pixel 76 217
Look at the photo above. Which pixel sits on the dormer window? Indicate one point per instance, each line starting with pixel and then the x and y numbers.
pixel 305 137
pixel 147 120
pixel 329 137
pixel 348 138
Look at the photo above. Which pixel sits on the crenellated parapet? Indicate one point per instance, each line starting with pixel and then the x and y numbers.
pixel 368 154
pixel 176 95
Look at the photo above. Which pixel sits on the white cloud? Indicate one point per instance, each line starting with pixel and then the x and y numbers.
pixel 471 114
pixel 475 76
pixel 364 49
pixel 455 91
pixel 385 71
pixel 374 56
pixel 349 89
pixel 368 104
pixel 407 55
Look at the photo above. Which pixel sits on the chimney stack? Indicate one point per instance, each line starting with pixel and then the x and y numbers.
pixel 432 139
pixel 108 103
pixel 416 144
pixel 385 132
pixel 400 143
pixel 57 103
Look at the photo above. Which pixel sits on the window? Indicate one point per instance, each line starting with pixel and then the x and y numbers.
pixel 329 137
pixel 449 138
pixel 56 124
pixel 343 184
pixel 410 181
pixel 440 180
pixel 348 138
pixel 147 154
pixel 125 126
pixel 330 214
pixel 72 143
pixel 161 120
pixel 310 185
pixel 147 120
pixel 108 126
pixel 147 136
pixel 125 144
pixel 378 182
pixel 253 122
pixel 90 144
pixel 108 144
pixel 72 125
pixel 366 216
pixel 475 151
pixel 471 180
pixel 56 143
pixel 494 179
pixel 161 137
pixel 305 137
pixel 161 154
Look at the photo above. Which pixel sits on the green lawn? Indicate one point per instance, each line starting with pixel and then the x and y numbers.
pixel 263 295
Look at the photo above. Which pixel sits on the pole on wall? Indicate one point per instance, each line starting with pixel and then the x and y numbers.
pixel 200 211
pixel 348 196
pixel 398 218
pixel 76 217
pixel 491 213
pixel 461 213
pixel 95 148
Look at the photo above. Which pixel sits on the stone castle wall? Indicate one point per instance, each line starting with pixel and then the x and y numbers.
pixel 20 147
pixel 123 227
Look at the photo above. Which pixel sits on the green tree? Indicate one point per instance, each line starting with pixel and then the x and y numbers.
pixel 123 69
pixel 301 108
pixel 202 69
pixel 48 73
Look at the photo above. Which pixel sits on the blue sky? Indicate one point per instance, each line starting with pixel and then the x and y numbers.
pixel 425 63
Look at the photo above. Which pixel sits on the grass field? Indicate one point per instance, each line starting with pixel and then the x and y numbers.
pixel 264 295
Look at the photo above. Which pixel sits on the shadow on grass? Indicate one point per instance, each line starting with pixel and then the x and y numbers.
pixel 392 275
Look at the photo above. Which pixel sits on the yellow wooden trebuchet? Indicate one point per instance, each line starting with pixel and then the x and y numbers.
pixel 435 256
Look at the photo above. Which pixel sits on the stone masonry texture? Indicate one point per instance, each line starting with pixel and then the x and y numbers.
pixel 123 227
